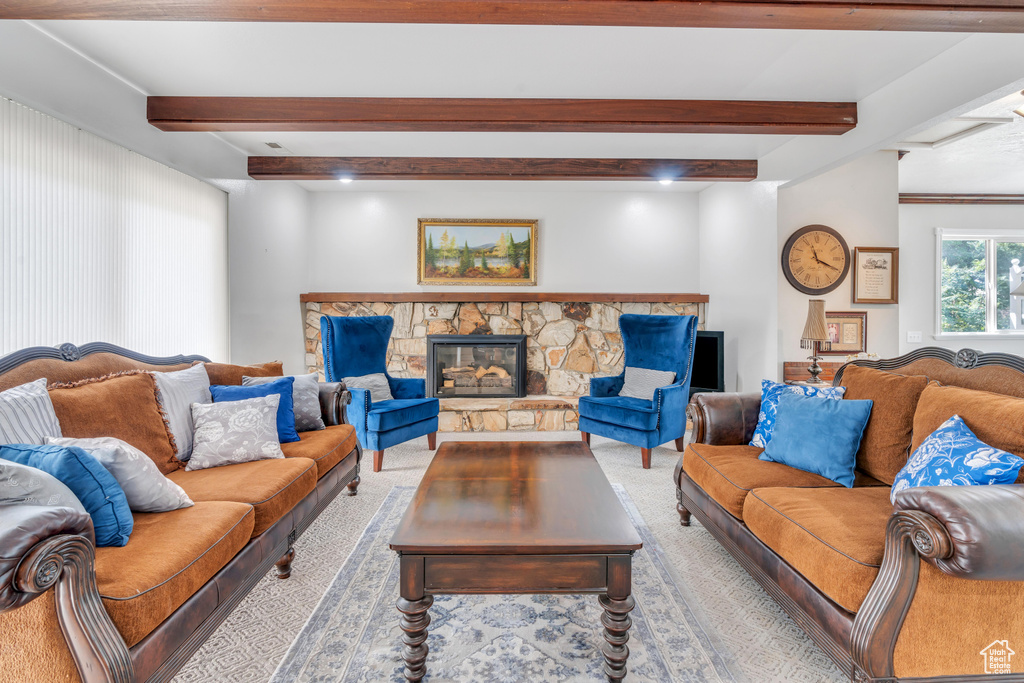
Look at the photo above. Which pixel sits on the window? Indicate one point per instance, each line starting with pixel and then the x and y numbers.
pixel 976 275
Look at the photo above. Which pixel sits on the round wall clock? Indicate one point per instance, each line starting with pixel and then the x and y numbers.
pixel 815 259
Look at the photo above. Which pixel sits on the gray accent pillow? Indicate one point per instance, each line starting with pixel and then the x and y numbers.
pixel 177 392
pixel 305 397
pixel 26 414
pixel 641 382
pixel 145 487
pixel 377 383
pixel 21 484
pixel 235 431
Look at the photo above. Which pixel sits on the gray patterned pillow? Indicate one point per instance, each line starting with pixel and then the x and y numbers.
pixel 305 396
pixel 23 484
pixel 26 414
pixel 145 487
pixel 377 383
pixel 177 392
pixel 235 431
pixel 641 382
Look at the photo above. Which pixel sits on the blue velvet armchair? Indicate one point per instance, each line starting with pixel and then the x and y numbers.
pixel 655 342
pixel 358 346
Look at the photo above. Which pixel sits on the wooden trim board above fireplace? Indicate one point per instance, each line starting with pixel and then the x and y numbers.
pixel 475 297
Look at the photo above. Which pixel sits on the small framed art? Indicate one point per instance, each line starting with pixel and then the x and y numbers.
pixel 847 332
pixel 463 251
pixel 876 275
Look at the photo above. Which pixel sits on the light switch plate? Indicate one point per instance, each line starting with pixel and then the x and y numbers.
pixel 913 337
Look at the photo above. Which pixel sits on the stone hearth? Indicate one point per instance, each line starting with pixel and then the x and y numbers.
pixel 568 342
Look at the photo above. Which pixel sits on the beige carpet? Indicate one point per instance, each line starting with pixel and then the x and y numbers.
pixel 765 643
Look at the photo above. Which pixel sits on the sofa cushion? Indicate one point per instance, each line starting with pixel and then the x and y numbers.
pixel 994 418
pixel 325 447
pixel 886 443
pixel 123 406
pixel 168 558
pixel 834 537
pixel 621 410
pixel 729 473
pixel 272 487
pixel 400 412
pixel 225 373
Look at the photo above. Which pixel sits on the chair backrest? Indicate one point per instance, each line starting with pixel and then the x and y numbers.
pixel 354 346
pixel 660 342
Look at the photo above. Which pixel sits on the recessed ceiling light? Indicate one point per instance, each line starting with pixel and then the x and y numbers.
pixel 346 180
pixel 666 181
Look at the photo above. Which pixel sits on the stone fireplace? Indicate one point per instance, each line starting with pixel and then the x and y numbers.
pixel 569 338
pixel 476 365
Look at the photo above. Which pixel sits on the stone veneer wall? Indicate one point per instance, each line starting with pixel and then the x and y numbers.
pixel 567 344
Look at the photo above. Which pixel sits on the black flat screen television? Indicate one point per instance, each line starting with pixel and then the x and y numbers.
pixel 708 362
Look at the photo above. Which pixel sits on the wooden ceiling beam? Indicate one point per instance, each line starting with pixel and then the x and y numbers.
pixel 938 198
pixel 455 168
pixel 499 115
pixel 974 16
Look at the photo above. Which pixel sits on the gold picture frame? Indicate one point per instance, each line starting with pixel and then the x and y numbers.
pixel 848 332
pixel 876 275
pixel 476 251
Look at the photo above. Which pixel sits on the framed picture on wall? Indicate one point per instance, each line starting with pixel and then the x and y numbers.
pixel 464 251
pixel 848 332
pixel 876 275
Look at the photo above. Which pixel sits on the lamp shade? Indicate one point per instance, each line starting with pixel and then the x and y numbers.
pixel 814 328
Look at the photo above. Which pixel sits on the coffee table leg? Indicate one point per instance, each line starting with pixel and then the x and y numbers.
pixel 414 625
pixel 616 623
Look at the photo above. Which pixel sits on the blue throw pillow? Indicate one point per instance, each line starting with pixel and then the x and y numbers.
pixel 97 490
pixel 953 456
pixel 815 434
pixel 770 393
pixel 285 410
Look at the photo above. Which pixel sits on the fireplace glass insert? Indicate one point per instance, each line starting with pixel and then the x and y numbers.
pixel 476 366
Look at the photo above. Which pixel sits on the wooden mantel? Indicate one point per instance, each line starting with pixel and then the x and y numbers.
pixel 473 297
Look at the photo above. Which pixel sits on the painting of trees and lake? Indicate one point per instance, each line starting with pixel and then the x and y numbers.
pixel 477 252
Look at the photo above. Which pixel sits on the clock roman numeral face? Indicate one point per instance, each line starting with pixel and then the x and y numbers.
pixel 816 260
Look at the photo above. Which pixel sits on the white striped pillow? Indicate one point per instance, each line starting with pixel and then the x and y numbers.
pixel 177 392
pixel 26 414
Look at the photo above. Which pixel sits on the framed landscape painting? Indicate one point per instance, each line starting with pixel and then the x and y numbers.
pixel 467 251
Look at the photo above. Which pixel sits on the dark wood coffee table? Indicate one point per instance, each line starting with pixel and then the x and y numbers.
pixel 515 517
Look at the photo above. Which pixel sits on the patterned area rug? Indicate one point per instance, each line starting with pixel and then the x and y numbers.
pixel 353 635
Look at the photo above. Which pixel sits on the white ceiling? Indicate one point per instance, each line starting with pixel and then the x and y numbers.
pixel 991 161
pixel 97 74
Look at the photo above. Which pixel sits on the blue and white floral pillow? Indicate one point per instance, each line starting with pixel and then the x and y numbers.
pixel 770 392
pixel 953 456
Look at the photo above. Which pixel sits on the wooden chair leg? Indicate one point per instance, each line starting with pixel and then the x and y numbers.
pixel 353 485
pixel 680 443
pixel 586 437
pixel 645 454
pixel 284 565
pixel 378 460
pixel 432 440
pixel 684 515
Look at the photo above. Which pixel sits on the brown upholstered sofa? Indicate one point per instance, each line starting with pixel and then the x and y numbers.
pixel 70 611
pixel 915 591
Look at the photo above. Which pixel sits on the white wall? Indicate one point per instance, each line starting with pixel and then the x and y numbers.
pixel 100 244
pixel 587 241
pixel 738 235
pixel 918 261
pixel 269 254
pixel 861 201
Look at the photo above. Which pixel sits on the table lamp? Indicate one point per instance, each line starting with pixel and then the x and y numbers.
pixel 815 337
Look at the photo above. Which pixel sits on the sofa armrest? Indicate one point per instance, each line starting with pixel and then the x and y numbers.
pixel 52 547
pixel 983 527
pixel 408 387
pixel 723 418
pixel 671 403
pixel 333 399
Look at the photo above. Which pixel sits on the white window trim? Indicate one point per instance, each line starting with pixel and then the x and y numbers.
pixel 990 282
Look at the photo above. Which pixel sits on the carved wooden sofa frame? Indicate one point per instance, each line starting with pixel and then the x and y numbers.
pixel 46 547
pixel 972 532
